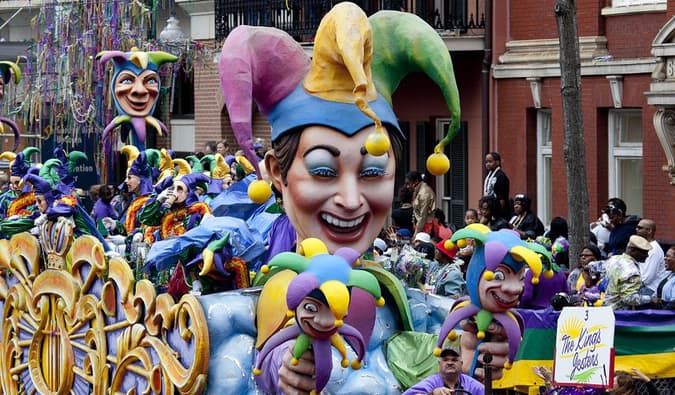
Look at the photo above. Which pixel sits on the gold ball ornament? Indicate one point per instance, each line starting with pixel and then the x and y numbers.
pixel 377 143
pixel 259 191
pixel 438 164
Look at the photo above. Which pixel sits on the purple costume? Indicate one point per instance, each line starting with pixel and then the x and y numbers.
pixel 427 385
pixel 539 296
pixel 102 210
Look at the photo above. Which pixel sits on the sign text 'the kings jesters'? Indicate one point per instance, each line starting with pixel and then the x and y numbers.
pixel 585 347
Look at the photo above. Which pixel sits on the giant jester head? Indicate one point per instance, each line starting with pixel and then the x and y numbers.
pixel 136 85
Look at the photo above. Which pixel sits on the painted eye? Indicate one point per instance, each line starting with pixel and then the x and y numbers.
pixel 499 276
pixel 311 307
pixel 374 166
pixel 152 81
pixel 323 172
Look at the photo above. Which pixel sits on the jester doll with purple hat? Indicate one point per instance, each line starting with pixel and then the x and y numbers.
pixel 7 70
pixel 494 280
pixel 318 300
pixel 20 211
pixel 135 85
pixel 335 137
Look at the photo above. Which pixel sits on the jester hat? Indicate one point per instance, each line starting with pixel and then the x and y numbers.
pixel 43 187
pixel 68 162
pixel 20 163
pixel 7 69
pixel 137 62
pixel 328 278
pixel 337 89
pixel 137 165
pixel 191 181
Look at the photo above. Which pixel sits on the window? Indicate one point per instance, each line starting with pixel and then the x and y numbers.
pixel 451 189
pixel 628 3
pixel 625 158
pixel 544 155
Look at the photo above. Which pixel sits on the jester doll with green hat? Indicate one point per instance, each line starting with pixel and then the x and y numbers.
pixel 335 141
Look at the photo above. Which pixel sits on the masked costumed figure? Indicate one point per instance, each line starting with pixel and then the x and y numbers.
pixel 136 87
pixel 21 209
pixel 495 282
pixel 139 184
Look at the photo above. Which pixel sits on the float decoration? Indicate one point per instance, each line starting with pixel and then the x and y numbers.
pixel 492 249
pixel 136 87
pixel 74 322
pixel 323 280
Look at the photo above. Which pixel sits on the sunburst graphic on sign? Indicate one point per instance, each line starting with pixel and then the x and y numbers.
pixel 572 327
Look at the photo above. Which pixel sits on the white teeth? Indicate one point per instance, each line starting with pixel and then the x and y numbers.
pixel 340 223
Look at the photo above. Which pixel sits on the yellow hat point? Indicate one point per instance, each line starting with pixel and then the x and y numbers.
pixel 257 372
pixel 294 361
pixel 480 335
pixel 265 269
pixel 259 191
pixel 377 143
pixel 489 275
pixel 535 280
pixel 379 302
pixel 461 243
pixel 449 245
pixel 356 365
pixel 438 163
pixel 437 352
pixel 507 365
pixel 344 363
pixel 339 323
pixel 548 274
pixel 452 335
pixel 290 314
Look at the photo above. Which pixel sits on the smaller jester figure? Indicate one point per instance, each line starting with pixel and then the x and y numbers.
pixel 318 298
pixel 7 69
pixel 136 87
pixel 495 282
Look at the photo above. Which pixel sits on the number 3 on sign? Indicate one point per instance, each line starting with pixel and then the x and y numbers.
pixel 586 315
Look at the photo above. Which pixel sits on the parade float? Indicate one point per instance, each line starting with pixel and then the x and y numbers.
pixel 78 320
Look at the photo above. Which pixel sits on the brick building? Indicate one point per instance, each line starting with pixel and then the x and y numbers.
pixel 624 105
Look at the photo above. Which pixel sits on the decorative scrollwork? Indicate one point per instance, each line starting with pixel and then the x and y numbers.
pixel 664 125
pixel 87 328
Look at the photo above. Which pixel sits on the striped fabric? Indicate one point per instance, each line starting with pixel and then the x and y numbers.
pixel 643 339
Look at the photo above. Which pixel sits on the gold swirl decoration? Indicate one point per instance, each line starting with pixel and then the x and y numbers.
pixel 88 328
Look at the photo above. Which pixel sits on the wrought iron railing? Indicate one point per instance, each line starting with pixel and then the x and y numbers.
pixel 300 18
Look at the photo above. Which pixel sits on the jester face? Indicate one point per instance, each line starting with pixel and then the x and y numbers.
pixel 315 318
pixel 181 190
pixel 133 182
pixel 41 203
pixel 136 94
pixel 503 291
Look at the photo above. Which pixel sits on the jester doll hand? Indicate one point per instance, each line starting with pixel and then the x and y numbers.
pixel 297 379
pixel 495 343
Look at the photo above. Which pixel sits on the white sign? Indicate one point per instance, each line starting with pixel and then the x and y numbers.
pixel 584 349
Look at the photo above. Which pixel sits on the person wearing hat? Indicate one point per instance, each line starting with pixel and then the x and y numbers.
pixel 524 221
pixel 138 183
pixel 622 226
pixel 449 378
pixel 445 276
pixel 623 276
pixel 176 209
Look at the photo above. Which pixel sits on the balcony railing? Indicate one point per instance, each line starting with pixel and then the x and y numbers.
pixel 300 18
